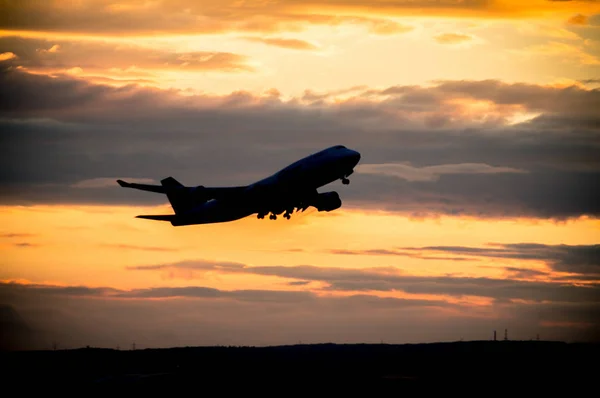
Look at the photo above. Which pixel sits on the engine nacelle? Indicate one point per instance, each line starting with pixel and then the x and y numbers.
pixel 327 201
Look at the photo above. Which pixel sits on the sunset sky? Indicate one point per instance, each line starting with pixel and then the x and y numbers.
pixel 474 208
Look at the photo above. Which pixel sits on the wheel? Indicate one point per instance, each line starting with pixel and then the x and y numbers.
pixel 345 181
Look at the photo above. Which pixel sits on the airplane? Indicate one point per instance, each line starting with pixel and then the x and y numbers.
pixel 293 188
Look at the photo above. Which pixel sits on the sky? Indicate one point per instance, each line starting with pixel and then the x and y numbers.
pixel 474 208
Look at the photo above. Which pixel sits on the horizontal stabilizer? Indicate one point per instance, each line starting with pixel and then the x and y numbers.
pixel 143 187
pixel 161 217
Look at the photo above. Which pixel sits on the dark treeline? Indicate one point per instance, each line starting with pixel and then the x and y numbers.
pixel 537 365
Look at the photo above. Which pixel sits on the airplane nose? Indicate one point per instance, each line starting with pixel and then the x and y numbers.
pixel 355 156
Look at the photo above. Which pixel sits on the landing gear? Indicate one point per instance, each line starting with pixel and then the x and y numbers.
pixel 273 216
pixel 345 179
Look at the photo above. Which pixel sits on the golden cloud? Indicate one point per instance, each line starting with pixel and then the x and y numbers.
pixel 212 16
pixel 452 38
pixel 568 52
pixel 294 44
pixel 578 19
pixel 7 55
pixel 120 59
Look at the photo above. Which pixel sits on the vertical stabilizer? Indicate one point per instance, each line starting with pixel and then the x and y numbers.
pixel 178 195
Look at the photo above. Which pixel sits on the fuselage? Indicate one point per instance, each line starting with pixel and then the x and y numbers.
pixel 313 171
pixel 280 191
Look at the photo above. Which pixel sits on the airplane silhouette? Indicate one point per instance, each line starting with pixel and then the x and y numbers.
pixel 292 188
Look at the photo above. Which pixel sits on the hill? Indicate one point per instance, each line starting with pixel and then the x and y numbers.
pixel 463 365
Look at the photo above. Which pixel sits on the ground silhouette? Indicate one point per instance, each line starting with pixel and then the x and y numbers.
pixel 482 366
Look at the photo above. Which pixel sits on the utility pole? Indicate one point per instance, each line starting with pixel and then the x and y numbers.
pixel 494 335
pixel 133 346
pixel 505 334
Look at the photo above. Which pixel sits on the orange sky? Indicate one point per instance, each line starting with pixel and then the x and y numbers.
pixel 337 57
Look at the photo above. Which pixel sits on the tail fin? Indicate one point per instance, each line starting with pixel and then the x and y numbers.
pixel 178 195
pixel 170 182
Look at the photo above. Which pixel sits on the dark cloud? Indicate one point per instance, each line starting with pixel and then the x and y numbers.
pixel 51 55
pixel 204 292
pixel 75 317
pixel 298 283
pixel 75 291
pixel 17 235
pixel 198 265
pixel 62 131
pixel 389 252
pixel 581 259
pixel 25 244
pixel 390 279
pixel 524 273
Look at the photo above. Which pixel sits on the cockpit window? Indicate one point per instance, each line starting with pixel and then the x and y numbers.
pixel 339 147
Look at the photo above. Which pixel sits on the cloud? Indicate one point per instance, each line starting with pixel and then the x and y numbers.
pixel 390 279
pixel 65 130
pixel 524 273
pixel 298 283
pixel 17 235
pixel 385 27
pixel 582 259
pixel 211 16
pixel 294 44
pixel 5 56
pixel 96 56
pixel 109 182
pixel 452 38
pixel 77 316
pixel 391 252
pixel 567 52
pixel 193 265
pixel 123 246
pixel 25 244
pixel 432 173
pixel 578 19
pixel 573 259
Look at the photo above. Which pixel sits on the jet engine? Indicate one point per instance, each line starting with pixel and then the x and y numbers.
pixel 327 201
